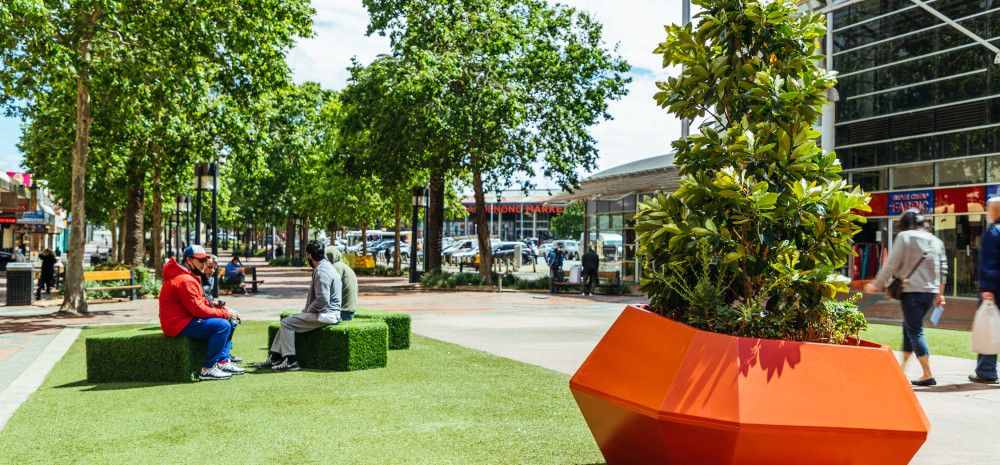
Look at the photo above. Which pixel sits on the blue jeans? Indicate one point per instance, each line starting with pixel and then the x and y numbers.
pixel 219 333
pixel 915 308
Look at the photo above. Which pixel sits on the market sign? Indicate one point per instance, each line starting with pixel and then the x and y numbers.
pixel 7 220
pixel 878 204
pixel 959 200
pixel 518 208
pixel 923 201
pixel 32 217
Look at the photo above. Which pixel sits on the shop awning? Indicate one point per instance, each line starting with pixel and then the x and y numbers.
pixel 647 175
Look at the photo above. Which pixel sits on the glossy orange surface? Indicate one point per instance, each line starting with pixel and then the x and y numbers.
pixel 655 391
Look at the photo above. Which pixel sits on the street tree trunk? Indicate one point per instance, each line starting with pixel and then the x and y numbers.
pixel 135 246
pixel 157 221
pixel 396 261
pixel 289 238
pixel 74 300
pixel 304 236
pixel 113 227
pixel 482 229
pixel 122 227
pixel 435 223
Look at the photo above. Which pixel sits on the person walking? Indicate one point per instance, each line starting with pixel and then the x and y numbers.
pixel 591 263
pixel 323 307
pixel 555 261
pixel 989 284
pixel 184 311
pixel 48 276
pixel 919 257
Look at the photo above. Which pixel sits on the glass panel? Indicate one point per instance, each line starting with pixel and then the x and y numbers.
pixel 969 171
pixel 871 180
pixel 993 168
pixel 912 176
pixel 961 236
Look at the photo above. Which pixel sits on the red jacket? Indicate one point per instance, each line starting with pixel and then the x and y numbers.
pixel 182 300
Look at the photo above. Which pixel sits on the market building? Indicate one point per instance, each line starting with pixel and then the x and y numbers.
pixel 916 122
pixel 513 215
pixel 611 199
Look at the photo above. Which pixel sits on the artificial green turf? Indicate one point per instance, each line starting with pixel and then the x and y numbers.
pixel 359 344
pixel 436 403
pixel 941 341
pixel 143 354
pixel 398 322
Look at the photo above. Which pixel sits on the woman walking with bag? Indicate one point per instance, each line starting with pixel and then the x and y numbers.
pixel 989 283
pixel 917 259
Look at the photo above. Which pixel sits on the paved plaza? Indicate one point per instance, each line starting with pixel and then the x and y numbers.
pixel 556 332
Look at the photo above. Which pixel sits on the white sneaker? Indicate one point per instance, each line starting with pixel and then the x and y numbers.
pixel 230 368
pixel 214 373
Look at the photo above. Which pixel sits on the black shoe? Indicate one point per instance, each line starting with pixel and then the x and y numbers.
pixel 976 379
pixel 924 382
pixel 286 365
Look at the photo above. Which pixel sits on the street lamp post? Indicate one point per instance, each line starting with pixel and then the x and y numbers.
pixel 207 175
pixel 419 201
pixel 183 204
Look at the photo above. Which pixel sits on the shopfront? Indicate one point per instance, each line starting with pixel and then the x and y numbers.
pixel 511 217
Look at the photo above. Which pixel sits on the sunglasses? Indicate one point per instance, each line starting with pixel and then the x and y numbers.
pixel 202 260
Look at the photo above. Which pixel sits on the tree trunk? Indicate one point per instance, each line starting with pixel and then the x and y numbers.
pixel 135 246
pixel 122 227
pixel 157 221
pixel 74 300
pixel 396 262
pixel 435 223
pixel 482 229
pixel 289 238
pixel 304 236
pixel 113 227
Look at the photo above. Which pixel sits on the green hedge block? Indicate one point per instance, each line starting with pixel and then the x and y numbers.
pixel 399 325
pixel 358 344
pixel 143 354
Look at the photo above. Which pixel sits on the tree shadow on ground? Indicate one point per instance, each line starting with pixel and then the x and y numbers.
pixel 115 386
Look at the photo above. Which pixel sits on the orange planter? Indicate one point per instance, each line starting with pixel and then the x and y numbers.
pixel 655 391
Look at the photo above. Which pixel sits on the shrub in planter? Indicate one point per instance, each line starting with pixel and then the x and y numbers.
pixel 398 322
pixel 143 355
pixel 358 344
pixel 742 259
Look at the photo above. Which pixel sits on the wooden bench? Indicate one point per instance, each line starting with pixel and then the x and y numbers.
pixel 608 278
pixel 115 275
pixel 253 281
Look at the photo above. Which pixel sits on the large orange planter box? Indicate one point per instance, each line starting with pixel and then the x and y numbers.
pixel 655 391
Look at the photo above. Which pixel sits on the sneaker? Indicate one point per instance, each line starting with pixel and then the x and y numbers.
pixel 231 368
pixel 235 359
pixel 214 373
pixel 977 379
pixel 286 365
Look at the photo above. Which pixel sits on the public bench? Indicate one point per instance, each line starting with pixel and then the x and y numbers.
pixel 253 281
pixel 399 325
pixel 143 355
pixel 604 278
pixel 113 275
pixel 358 344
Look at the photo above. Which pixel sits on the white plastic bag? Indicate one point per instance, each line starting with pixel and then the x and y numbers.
pixel 986 329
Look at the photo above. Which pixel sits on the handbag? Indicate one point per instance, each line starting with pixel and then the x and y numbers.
pixel 895 288
pixel 986 329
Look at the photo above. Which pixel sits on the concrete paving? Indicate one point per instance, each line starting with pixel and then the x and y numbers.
pixel 556 332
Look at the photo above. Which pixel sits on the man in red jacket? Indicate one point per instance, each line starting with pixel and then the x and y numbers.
pixel 184 311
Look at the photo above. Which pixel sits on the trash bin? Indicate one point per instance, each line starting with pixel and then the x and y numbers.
pixel 20 280
pixel 96 259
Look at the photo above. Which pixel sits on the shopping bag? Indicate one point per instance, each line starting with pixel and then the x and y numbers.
pixel 986 329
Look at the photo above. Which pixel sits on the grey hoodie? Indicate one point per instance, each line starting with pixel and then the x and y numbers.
pixel 907 248
pixel 325 294
pixel 348 279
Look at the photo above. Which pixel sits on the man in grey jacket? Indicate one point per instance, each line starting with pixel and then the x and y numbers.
pixel 323 307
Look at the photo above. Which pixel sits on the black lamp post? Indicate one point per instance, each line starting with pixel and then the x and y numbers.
pixel 419 201
pixel 207 175
pixel 183 204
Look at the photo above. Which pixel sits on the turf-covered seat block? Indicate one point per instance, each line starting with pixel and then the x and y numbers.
pixel 143 354
pixel 358 344
pixel 399 325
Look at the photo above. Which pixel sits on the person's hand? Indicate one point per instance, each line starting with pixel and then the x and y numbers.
pixel 986 295
pixel 939 300
pixel 870 289
pixel 234 315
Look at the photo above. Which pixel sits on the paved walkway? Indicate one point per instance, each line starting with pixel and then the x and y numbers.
pixel 556 332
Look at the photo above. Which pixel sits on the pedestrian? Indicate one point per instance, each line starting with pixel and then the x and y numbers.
pixel 48 276
pixel 989 284
pixel 235 275
pixel 323 307
pixel 208 275
pixel 591 263
pixel 20 253
pixel 917 257
pixel 184 311
pixel 555 261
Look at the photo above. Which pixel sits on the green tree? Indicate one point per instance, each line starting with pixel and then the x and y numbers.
pixel 751 242
pixel 570 223
pixel 496 87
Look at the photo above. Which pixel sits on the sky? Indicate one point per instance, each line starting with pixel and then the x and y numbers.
pixel 640 129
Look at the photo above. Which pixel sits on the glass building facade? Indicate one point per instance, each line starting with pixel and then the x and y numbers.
pixel 917 123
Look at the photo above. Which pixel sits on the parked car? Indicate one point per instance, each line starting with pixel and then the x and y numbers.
pixel 505 250
pixel 571 248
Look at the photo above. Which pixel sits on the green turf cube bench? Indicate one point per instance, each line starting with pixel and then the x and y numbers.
pixel 358 344
pixel 399 325
pixel 143 355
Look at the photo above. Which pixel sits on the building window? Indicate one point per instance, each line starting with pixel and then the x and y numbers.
pixel 904 177
pixel 968 171
pixel 871 181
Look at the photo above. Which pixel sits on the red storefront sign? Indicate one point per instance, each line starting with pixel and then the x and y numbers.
pixel 7 220
pixel 879 205
pixel 519 208
pixel 960 200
